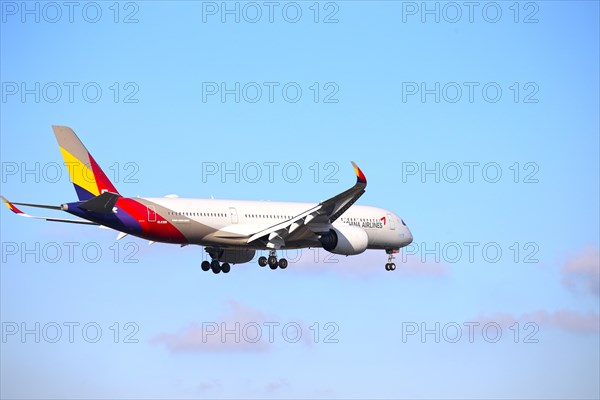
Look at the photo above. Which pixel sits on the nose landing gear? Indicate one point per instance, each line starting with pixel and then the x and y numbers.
pixel 390 266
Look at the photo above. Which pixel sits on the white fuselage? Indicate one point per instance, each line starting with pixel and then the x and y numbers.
pixel 218 222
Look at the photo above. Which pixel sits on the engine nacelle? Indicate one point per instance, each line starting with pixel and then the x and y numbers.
pixel 347 240
pixel 232 256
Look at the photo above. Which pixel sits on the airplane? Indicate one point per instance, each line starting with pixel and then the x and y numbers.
pixel 231 231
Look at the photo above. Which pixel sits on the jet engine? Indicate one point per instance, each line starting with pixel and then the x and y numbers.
pixel 347 240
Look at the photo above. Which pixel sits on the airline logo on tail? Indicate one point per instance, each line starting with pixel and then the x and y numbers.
pixel 87 177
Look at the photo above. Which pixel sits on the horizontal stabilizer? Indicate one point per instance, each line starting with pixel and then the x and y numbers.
pixel 70 221
pixel 22 214
pixel 11 205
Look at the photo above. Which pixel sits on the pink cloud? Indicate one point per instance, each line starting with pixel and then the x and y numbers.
pixel 277 386
pixel 581 273
pixel 568 320
pixel 236 331
pixel 242 329
pixel 213 385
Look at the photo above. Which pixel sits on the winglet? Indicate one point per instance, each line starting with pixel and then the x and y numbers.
pixel 10 206
pixel 360 177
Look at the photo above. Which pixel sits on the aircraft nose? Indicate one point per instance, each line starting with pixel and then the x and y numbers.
pixel 405 234
pixel 408 237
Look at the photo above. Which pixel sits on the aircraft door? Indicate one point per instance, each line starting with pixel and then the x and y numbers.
pixel 234 215
pixel 392 221
pixel 151 214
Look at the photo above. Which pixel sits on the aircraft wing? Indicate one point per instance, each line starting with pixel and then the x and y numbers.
pixel 318 218
pixel 13 208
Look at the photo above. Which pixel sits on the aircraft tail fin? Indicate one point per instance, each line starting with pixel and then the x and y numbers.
pixel 87 177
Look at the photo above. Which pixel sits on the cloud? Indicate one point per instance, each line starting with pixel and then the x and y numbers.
pixel 277 386
pixel 581 273
pixel 242 329
pixel 567 320
pixel 213 385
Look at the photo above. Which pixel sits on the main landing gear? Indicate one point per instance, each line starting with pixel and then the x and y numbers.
pixel 390 266
pixel 272 261
pixel 216 266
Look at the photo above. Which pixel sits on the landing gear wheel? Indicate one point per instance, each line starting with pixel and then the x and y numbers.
pixel 215 266
pixel 262 261
pixel 390 266
pixel 283 263
pixel 225 268
pixel 205 266
pixel 272 262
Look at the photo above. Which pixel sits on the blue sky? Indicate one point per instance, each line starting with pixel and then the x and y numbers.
pixel 162 131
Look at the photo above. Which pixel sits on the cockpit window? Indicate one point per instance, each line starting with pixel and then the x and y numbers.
pixel 403 223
